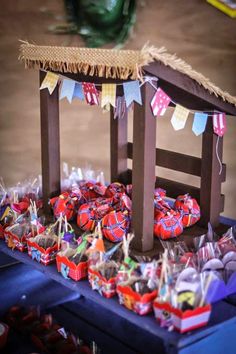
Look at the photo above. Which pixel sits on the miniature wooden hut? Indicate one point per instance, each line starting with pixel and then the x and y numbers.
pixel 186 86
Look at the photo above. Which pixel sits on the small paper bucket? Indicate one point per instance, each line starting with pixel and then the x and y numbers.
pixel 191 319
pixel 106 288
pixel 68 269
pixel 41 255
pixel 141 304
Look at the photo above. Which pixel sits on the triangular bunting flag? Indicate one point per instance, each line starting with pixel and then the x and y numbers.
pixel 121 108
pixel 67 89
pixel 160 102
pixel 132 92
pixel 199 123
pixel 108 95
pixel 179 117
pixel 50 82
pixel 219 123
pixel 90 93
pixel 78 91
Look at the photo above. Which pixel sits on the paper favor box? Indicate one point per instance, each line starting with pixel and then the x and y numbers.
pixel 106 288
pixel 15 242
pixel 69 269
pixel 182 321
pixel 141 304
pixel 163 313
pixel 39 254
pixel 191 319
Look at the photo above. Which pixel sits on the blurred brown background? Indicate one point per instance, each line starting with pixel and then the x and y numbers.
pixel 192 29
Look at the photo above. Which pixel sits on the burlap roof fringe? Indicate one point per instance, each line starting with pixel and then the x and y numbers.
pixel 111 63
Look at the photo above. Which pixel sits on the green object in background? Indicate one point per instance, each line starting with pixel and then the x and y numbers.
pixel 100 22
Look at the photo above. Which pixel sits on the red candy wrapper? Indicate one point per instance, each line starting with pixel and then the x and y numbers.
pixel 115 225
pixel 189 208
pixel 86 217
pixel 168 225
pixel 64 205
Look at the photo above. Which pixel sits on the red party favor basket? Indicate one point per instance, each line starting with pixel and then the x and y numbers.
pixel 68 268
pixel 40 254
pixel 141 304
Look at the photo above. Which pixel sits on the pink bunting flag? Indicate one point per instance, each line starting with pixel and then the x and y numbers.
pixel 90 93
pixel 160 102
pixel 219 123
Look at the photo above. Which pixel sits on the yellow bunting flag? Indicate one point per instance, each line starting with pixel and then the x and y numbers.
pixel 49 82
pixel 179 117
pixel 108 95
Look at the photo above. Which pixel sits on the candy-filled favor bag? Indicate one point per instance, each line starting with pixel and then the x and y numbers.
pixel 189 209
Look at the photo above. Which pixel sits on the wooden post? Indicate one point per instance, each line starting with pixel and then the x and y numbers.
pixel 210 189
pixel 143 176
pixel 50 144
pixel 118 147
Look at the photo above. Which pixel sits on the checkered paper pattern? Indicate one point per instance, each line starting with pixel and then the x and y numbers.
pixel 90 93
pixel 50 82
pixel 160 102
pixel 108 95
pixel 179 117
pixel 219 123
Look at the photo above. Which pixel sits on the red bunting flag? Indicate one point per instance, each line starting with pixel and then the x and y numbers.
pixel 90 93
pixel 219 123
pixel 160 102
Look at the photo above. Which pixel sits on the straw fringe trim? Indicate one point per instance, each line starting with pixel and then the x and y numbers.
pixel 150 53
pixel 100 62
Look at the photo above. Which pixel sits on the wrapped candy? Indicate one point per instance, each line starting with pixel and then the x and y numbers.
pixel 115 225
pixel 168 225
pixel 91 190
pixel 189 208
pixel 64 205
pixel 115 189
pixel 87 216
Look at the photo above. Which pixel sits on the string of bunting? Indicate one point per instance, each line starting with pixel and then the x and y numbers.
pixel 71 89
